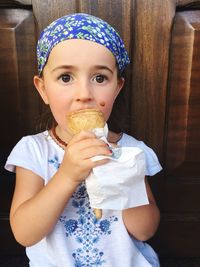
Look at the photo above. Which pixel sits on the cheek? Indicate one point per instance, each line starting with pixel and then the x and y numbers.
pixel 56 97
pixel 58 106
pixel 55 102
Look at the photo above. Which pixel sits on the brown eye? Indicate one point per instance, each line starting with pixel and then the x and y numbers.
pixel 100 78
pixel 66 78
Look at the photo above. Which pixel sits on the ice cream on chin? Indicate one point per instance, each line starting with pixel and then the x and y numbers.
pixel 85 120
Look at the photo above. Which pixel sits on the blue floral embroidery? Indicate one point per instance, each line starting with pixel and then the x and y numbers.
pixel 55 162
pixel 84 228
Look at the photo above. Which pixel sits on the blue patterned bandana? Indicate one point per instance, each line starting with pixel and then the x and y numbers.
pixel 81 26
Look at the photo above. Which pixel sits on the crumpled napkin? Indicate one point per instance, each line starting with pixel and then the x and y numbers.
pixel 118 184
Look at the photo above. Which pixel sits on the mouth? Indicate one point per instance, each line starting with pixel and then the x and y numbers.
pixel 84 108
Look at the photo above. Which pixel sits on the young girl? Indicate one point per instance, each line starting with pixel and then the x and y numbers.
pixel 80 61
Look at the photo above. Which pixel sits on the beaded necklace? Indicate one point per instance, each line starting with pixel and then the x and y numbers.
pixel 59 141
pixel 62 143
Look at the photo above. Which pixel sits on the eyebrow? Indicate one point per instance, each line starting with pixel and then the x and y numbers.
pixel 103 67
pixel 63 67
pixel 96 67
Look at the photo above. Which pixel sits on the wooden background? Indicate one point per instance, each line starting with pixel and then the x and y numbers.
pixel 162 99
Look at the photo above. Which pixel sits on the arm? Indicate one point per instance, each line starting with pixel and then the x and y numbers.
pixel 36 208
pixel 142 222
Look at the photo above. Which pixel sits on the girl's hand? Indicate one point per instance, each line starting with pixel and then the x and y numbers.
pixel 77 163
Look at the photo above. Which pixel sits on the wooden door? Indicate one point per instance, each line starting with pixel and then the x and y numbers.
pixel 180 229
pixel 18 101
pixel 161 93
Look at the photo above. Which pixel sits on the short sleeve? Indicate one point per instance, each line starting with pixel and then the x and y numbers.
pixel 152 163
pixel 25 154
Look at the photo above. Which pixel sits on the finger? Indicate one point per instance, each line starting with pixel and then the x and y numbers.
pixel 89 164
pixel 86 143
pixel 92 143
pixel 83 135
pixel 100 162
pixel 96 151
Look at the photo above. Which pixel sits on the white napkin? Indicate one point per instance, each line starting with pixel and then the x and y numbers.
pixel 118 184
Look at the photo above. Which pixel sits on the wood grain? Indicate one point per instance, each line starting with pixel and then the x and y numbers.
pixel 187 3
pixel 152 27
pixel 19 101
pixel 14 4
pixel 180 198
pixel 183 97
pixel 49 10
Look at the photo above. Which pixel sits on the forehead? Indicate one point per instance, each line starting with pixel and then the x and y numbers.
pixel 78 51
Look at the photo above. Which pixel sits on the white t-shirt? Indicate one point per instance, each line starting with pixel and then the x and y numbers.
pixel 78 239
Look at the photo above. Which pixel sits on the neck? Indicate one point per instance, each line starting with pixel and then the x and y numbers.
pixel 56 137
pixel 113 138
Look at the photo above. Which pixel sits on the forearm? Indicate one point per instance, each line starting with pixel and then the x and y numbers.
pixel 37 216
pixel 142 222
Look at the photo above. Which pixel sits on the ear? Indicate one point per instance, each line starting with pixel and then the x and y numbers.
pixel 39 85
pixel 120 85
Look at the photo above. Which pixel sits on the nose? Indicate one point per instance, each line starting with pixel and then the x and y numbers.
pixel 84 92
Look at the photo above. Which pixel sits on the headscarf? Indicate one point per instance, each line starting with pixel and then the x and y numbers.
pixel 81 26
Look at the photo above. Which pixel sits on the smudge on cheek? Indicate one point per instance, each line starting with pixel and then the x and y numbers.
pixel 102 104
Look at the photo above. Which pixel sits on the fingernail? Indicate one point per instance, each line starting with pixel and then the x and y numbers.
pixel 111 152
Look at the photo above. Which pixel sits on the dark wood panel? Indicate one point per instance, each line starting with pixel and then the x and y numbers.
pixel 179 229
pixel 175 238
pixel 188 4
pixel 52 9
pixel 182 195
pixel 152 26
pixel 15 3
pixel 183 136
pixel 185 2
pixel 8 243
pixel 8 68
pixel 19 102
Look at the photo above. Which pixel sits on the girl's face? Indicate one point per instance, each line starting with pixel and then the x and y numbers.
pixel 79 74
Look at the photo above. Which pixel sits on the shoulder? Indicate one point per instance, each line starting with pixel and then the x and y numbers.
pixel 128 140
pixel 29 150
pixel 38 143
pixel 36 153
pixel 37 139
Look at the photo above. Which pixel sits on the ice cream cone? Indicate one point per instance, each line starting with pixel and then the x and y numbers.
pixel 86 119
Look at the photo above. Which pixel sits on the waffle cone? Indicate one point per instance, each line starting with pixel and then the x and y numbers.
pixel 98 213
pixel 86 119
